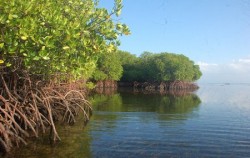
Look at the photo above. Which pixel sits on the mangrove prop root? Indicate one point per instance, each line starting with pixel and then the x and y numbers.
pixel 28 107
pixel 162 86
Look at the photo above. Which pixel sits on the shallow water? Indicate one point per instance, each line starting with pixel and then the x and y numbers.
pixel 212 122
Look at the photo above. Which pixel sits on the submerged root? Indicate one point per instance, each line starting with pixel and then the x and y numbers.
pixel 27 108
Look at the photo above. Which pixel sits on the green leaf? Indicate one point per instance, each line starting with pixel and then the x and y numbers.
pixel 10 17
pixel 86 33
pixel 65 47
pixel 14 16
pixel 119 26
pixel 43 47
pixel 118 13
pixel 36 58
pixel 46 58
pixel 24 38
pixel 1 45
pixel 43 53
pixel 8 64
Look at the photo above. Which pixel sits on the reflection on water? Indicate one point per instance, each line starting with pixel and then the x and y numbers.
pixel 138 124
pixel 214 122
pixel 145 103
pixel 139 102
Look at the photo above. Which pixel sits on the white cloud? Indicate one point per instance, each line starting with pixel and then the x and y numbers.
pixel 207 66
pixel 236 71
pixel 247 61
pixel 242 65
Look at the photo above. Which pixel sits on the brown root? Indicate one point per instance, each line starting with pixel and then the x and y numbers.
pixel 29 106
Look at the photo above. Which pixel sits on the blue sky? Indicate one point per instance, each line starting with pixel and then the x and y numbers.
pixel 213 33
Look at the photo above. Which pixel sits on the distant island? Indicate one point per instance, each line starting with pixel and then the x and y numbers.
pixel 150 71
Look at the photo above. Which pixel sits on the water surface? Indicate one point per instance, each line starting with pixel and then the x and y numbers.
pixel 212 122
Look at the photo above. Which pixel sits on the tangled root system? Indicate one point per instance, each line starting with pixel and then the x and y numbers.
pixel 29 106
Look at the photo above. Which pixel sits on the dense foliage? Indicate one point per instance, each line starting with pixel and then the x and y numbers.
pixel 108 67
pixel 48 37
pixel 131 68
pixel 158 67
pixel 152 67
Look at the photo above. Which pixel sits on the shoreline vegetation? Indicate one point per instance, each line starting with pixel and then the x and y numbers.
pixel 54 53
pixel 48 52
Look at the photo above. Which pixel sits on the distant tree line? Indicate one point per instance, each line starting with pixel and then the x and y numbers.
pixel 148 67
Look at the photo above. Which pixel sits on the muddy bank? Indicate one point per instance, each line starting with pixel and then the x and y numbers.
pixel 161 86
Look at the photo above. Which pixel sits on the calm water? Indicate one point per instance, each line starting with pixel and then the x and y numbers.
pixel 212 122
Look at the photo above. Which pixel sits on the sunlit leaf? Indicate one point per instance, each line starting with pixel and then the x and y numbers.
pixel 46 58
pixel 119 26
pixel 14 16
pixel 1 45
pixel 8 64
pixel 65 47
pixel 36 58
pixel 24 38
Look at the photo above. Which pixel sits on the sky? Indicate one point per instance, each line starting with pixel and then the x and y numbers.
pixel 215 34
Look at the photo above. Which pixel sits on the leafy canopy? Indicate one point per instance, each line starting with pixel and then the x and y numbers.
pixel 159 67
pixel 65 36
pixel 108 67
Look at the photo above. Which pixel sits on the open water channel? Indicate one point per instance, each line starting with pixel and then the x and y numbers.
pixel 214 121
